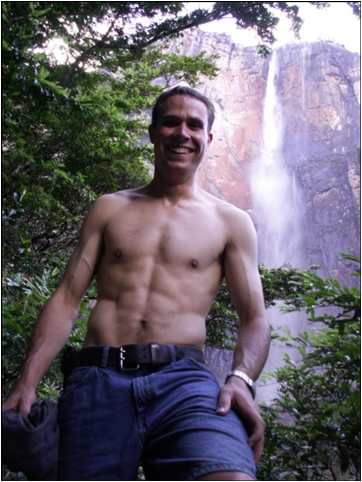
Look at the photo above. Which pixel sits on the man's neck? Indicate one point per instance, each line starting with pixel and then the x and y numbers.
pixel 172 193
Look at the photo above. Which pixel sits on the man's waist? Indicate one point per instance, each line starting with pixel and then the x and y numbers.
pixel 124 328
pixel 128 357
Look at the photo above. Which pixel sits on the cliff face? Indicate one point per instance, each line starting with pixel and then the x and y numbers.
pixel 319 91
pixel 237 93
pixel 315 90
pixel 286 149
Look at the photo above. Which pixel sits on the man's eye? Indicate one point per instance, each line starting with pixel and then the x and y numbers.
pixel 195 125
pixel 169 122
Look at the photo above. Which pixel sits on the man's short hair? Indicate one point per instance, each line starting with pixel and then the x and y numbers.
pixel 187 91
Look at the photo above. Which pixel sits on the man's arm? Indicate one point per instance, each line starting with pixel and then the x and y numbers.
pixel 252 348
pixel 59 313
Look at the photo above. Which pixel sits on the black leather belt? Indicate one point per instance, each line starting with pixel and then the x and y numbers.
pixel 128 357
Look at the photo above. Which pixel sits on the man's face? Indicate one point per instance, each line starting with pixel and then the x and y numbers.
pixel 181 136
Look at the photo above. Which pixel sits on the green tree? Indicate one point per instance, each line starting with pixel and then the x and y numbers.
pixel 66 142
pixel 223 321
pixel 313 425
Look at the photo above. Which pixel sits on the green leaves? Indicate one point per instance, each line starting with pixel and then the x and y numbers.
pixel 222 321
pixel 313 424
pixel 72 132
pixel 50 87
pixel 319 396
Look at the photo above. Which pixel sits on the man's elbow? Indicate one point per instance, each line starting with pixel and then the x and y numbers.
pixel 263 320
pixel 66 301
pixel 261 323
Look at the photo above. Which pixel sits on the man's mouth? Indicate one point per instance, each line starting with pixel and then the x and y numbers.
pixel 180 149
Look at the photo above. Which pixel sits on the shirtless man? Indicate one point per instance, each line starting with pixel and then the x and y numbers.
pixel 158 254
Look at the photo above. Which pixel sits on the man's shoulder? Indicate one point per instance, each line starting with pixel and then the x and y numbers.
pixel 116 200
pixel 237 222
pixel 107 205
pixel 117 196
pixel 229 212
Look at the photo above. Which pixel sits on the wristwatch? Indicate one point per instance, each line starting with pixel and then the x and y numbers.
pixel 245 377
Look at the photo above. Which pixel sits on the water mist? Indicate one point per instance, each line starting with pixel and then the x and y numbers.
pixel 276 201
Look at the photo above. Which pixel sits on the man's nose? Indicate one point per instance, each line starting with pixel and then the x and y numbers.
pixel 182 131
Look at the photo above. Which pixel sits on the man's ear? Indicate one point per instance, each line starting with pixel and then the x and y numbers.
pixel 151 133
pixel 210 137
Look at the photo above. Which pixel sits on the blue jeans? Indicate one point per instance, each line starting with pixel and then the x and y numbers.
pixel 165 419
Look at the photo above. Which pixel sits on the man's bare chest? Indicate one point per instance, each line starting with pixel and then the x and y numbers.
pixel 170 236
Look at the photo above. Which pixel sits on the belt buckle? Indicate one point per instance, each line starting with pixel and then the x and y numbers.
pixel 154 348
pixel 122 359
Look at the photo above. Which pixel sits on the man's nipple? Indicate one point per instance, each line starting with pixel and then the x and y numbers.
pixel 194 263
pixel 118 254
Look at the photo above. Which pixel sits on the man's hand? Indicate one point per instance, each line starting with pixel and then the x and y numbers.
pixel 236 394
pixel 21 398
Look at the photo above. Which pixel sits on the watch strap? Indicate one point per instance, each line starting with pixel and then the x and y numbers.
pixel 245 377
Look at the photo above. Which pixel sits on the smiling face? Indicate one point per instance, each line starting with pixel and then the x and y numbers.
pixel 180 137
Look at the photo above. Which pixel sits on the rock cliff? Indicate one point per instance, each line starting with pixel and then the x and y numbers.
pixel 316 87
pixel 286 149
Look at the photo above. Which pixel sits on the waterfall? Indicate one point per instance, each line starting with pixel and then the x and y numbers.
pixel 277 212
pixel 304 52
pixel 275 194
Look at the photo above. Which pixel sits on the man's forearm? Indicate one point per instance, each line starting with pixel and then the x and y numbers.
pixel 249 356
pixel 51 332
pixel 252 347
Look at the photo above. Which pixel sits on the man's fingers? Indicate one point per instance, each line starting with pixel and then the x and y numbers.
pixel 248 413
pixel 7 406
pixel 12 403
pixel 243 403
pixel 254 424
pixel 26 403
pixel 257 446
pixel 256 440
pixel 21 401
pixel 25 407
pixel 224 403
pixel 256 429
pixel 256 435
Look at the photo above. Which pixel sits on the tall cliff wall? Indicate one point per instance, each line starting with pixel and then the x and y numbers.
pixel 317 86
pixel 286 149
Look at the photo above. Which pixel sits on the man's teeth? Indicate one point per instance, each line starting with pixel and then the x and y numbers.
pixel 180 150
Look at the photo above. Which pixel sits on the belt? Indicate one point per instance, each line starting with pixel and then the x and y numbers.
pixel 128 357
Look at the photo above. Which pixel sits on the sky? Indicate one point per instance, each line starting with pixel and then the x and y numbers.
pixel 336 23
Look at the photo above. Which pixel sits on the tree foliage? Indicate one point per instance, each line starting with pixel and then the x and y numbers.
pixel 313 425
pixel 71 133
